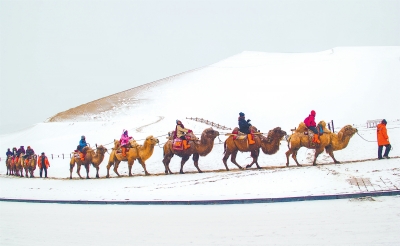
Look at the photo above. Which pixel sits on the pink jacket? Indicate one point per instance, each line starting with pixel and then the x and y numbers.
pixel 124 139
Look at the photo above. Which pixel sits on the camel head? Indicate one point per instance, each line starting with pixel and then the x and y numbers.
pixel 276 133
pixel 101 149
pixel 347 131
pixel 209 133
pixel 152 140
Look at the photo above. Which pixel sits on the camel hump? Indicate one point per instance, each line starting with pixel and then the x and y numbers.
pixel 301 128
pixel 133 143
pixel 323 124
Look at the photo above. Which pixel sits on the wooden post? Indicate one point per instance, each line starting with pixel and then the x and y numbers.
pixel 329 126
pixel 63 156
pixel 333 128
pixel 52 156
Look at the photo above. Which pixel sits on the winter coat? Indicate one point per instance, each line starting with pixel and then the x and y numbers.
pixel 30 152
pixel 310 121
pixel 181 131
pixel 243 125
pixel 124 139
pixel 82 144
pixel 9 153
pixel 40 162
pixel 20 151
pixel 381 134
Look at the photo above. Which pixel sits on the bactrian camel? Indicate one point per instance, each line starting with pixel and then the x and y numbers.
pixel 10 166
pixel 269 145
pixel 135 152
pixel 30 166
pixel 197 148
pixel 91 157
pixel 329 141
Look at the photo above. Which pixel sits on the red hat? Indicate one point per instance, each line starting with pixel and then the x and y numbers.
pixel 313 113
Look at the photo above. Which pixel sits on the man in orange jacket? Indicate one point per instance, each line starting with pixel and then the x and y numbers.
pixel 43 164
pixel 383 140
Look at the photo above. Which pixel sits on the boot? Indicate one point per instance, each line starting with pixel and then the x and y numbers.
pixel 316 139
pixel 82 156
pixel 123 151
pixel 185 144
pixel 250 138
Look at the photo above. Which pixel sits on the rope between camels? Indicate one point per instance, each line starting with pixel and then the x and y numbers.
pixel 364 138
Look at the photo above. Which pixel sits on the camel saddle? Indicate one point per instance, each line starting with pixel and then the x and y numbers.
pixel 177 144
pixel 238 135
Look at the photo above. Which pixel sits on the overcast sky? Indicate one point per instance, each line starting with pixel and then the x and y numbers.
pixel 56 55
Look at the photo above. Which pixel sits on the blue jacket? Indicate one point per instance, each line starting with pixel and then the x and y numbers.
pixel 244 125
pixel 9 153
pixel 82 144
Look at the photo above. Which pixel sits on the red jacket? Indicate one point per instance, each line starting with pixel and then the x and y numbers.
pixel 310 121
pixel 381 134
pixel 46 162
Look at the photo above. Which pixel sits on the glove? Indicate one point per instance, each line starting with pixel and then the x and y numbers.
pixel 130 137
pixel 248 120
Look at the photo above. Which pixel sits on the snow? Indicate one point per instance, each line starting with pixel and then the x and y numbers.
pixel 349 85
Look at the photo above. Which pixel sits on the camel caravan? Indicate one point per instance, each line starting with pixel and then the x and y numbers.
pixel 183 143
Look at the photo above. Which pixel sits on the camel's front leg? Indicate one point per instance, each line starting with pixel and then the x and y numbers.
pixel 183 161
pixel 110 163
pixel 254 154
pixel 144 166
pixel 196 162
pixel 329 150
pixel 26 173
pixel 233 159
pixel 97 171
pixel 71 168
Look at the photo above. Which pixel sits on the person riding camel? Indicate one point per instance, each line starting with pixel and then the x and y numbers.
pixel 14 153
pixel 180 132
pixel 20 151
pixel 81 146
pixel 244 126
pixel 9 153
pixel 29 153
pixel 124 142
pixel 310 123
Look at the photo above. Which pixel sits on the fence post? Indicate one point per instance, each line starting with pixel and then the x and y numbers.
pixel 52 156
pixel 63 156
pixel 329 126
pixel 333 128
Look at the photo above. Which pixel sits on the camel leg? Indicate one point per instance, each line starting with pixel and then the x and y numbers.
pixel 71 168
pixel 130 168
pixel 144 166
pixel 254 154
pixel 26 173
pixel 329 150
pixel 317 152
pixel 97 171
pixel 110 163
pixel 233 159
pixel 196 162
pixel 226 156
pixel 116 164
pixel 166 161
pixel 87 167
pixel 183 161
pixel 78 170
pixel 294 156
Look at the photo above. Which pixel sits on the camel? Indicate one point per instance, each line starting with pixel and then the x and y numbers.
pixel 139 152
pixel 30 166
pixel 198 148
pixel 269 145
pixel 10 166
pixel 329 141
pixel 90 158
pixel 19 165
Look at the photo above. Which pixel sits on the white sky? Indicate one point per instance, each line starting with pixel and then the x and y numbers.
pixel 59 54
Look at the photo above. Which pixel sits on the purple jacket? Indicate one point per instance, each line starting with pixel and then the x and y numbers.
pixel 124 139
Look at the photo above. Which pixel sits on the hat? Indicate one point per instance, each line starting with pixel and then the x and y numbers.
pixel 384 122
pixel 29 147
pixel 313 113
pixel 178 121
pixel 241 114
pixel 42 153
pixel 21 146
pixel 83 137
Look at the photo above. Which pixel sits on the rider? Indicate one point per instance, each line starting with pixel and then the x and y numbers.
pixel 124 142
pixel 244 126
pixel 81 146
pixel 14 153
pixel 29 152
pixel 180 132
pixel 9 153
pixel 20 151
pixel 310 123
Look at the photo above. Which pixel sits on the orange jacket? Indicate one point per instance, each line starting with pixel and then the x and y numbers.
pixel 381 134
pixel 46 162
